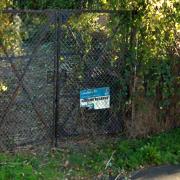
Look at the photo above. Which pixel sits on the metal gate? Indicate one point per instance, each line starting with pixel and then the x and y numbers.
pixel 46 58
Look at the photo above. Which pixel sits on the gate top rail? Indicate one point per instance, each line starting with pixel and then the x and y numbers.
pixel 66 11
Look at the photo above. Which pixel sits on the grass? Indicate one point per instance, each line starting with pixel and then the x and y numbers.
pixel 109 157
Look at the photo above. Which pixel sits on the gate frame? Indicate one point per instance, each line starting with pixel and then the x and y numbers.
pixel 58 16
pixel 58 22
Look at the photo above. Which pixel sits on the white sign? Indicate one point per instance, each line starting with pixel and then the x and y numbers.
pixel 97 98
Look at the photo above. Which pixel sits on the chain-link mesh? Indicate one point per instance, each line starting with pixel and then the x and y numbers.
pixel 86 62
pixel 26 104
pixel 46 59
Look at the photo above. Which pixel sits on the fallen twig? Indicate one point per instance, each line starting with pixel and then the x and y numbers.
pixel 107 164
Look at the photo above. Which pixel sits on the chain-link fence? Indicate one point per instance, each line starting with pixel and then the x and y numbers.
pixel 46 59
pixel 27 53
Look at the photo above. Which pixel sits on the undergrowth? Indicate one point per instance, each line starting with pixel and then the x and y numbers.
pixel 102 160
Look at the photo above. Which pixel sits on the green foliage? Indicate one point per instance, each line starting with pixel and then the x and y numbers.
pixel 10 38
pixel 48 4
pixel 146 39
pixel 127 155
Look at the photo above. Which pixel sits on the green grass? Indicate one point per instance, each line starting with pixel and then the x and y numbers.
pixel 128 155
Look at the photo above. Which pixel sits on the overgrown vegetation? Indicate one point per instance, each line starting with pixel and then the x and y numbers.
pixel 146 46
pixel 144 52
pixel 110 157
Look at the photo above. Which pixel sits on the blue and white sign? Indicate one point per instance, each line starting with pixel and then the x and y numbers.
pixel 97 98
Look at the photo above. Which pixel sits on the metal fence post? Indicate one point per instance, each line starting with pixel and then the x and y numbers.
pixel 56 112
